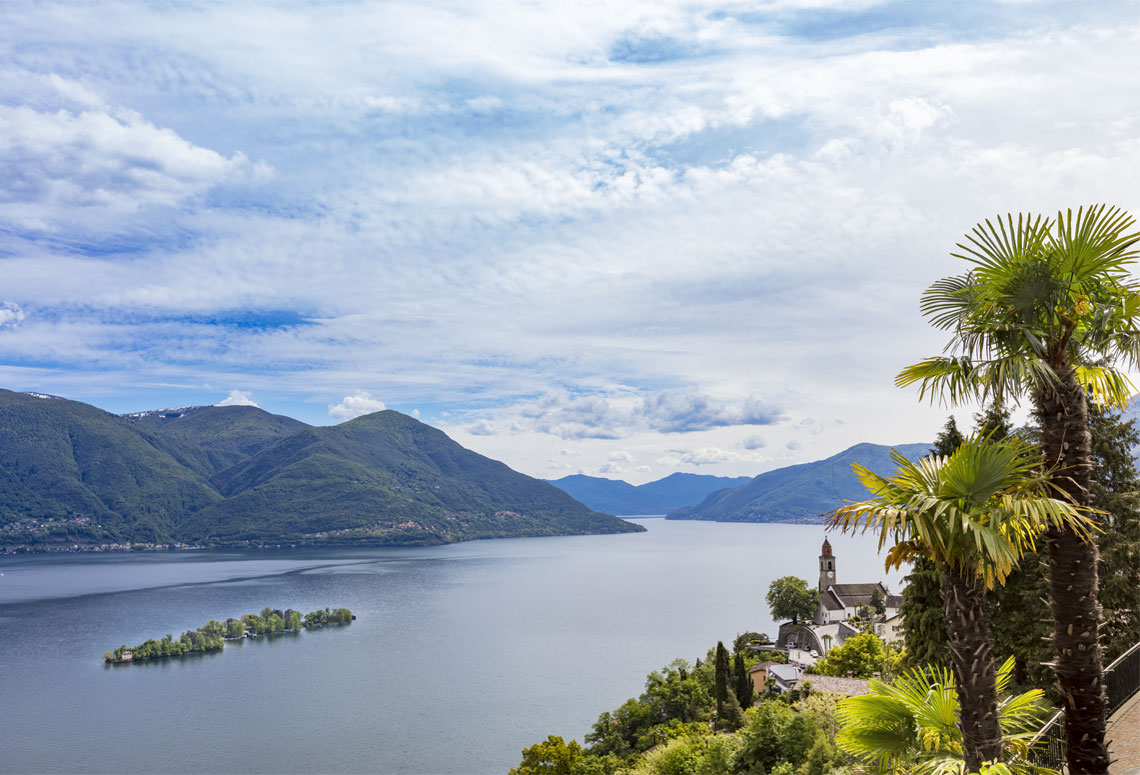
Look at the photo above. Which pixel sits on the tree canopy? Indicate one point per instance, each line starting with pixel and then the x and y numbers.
pixel 790 597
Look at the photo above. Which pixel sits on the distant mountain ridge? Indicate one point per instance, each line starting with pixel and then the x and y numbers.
pixel 235 475
pixel 614 496
pixel 799 493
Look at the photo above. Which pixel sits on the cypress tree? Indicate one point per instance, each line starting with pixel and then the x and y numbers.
pixel 721 676
pixel 743 682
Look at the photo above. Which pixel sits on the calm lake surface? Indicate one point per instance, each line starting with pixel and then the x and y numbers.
pixel 461 655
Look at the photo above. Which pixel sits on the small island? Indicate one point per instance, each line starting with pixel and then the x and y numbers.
pixel 213 634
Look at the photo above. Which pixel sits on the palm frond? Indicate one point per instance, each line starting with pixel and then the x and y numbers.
pixel 1040 293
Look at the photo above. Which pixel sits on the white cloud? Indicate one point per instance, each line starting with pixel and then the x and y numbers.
pixel 359 403
pixel 11 315
pixel 754 442
pixel 238 398
pixel 71 160
pixel 620 413
pixel 753 217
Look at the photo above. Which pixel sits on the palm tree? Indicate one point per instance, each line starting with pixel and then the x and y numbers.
pixel 974 513
pixel 909 725
pixel 1049 310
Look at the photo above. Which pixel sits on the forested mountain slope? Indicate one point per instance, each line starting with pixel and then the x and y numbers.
pixel 72 473
pixel 799 493
pixel 614 496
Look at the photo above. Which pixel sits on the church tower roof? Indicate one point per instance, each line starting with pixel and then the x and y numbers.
pixel 825 550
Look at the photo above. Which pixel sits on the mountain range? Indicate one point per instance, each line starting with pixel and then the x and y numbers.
pixel 614 496
pixel 799 493
pixel 237 475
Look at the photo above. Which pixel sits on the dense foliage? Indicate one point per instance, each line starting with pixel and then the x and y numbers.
pixel 974 513
pixel 674 728
pixel 74 474
pixel 791 598
pixel 910 724
pixel 212 635
pixel 861 656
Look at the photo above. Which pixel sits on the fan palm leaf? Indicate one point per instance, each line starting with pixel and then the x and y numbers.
pixel 909 726
pixel 1048 309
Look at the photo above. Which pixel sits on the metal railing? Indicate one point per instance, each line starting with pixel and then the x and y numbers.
pixel 1121 681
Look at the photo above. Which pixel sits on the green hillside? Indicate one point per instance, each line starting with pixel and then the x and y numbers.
pixel 385 477
pixel 72 473
pixel 800 493
pixel 91 473
pixel 220 436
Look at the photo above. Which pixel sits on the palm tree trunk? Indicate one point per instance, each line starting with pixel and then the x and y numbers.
pixel 1063 415
pixel 971 656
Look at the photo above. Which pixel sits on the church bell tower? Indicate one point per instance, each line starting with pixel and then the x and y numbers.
pixel 826 566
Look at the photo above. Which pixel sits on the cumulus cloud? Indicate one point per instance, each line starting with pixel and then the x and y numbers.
pixel 754 442
pixel 621 414
pixel 703 456
pixel 358 404
pixel 75 160
pixel 619 462
pixel 11 315
pixel 238 398
pixel 685 411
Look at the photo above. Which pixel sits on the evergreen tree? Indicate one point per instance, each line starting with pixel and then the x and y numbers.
pixel 744 687
pixel 994 422
pixel 1116 491
pixel 878 602
pixel 722 675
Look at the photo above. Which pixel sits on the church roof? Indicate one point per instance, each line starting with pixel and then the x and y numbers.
pixel 851 595
pixel 830 602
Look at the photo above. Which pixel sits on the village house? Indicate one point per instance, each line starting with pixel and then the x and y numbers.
pixel 759 675
pixel 890 629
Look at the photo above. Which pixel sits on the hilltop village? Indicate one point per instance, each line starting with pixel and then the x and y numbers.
pixel 843 611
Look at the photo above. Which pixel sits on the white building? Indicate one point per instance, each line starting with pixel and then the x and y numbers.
pixel 840 602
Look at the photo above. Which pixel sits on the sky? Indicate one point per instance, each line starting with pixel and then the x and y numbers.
pixel 620 239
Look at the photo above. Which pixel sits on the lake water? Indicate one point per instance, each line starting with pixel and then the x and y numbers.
pixel 461 655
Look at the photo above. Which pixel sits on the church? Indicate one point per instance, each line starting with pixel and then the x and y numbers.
pixel 840 602
pixel 838 605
